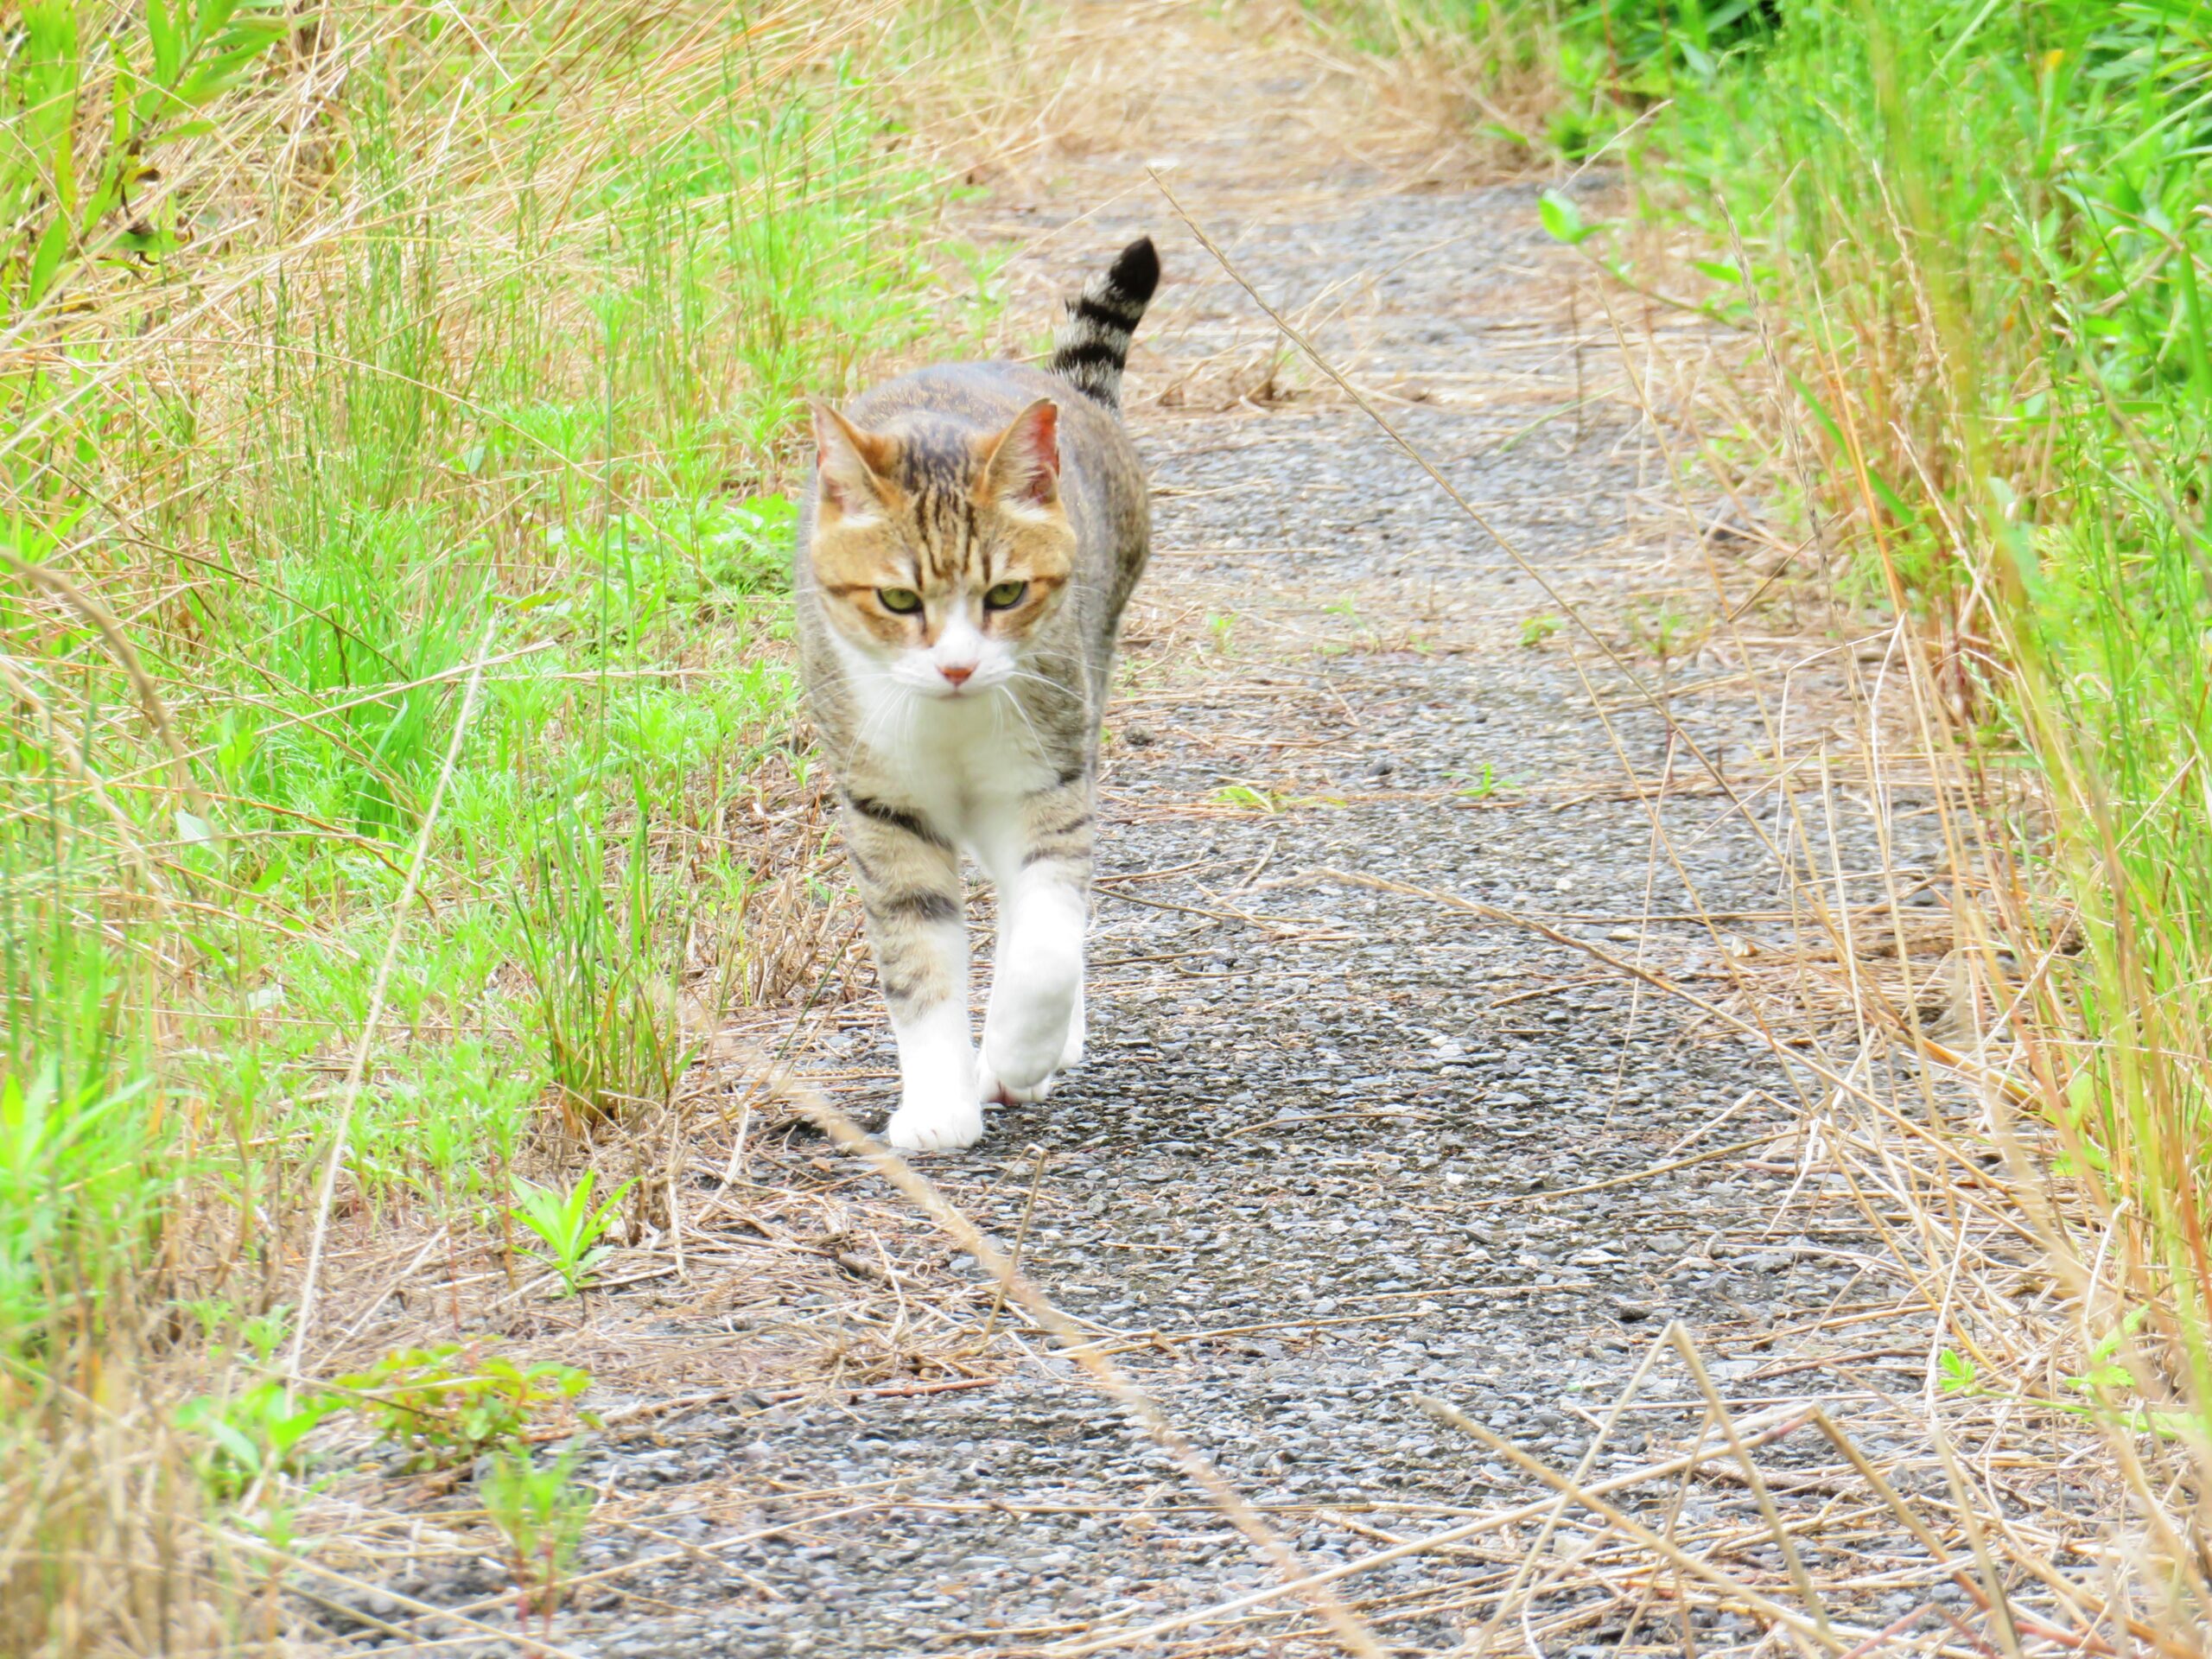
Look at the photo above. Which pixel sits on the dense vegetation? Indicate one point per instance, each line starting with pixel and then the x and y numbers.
pixel 1968 243
pixel 393 406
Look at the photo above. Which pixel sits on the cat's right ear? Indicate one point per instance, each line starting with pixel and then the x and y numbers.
pixel 851 463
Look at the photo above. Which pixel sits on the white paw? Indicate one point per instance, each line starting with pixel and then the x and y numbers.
pixel 991 1091
pixel 942 1123
pixel 1023 1053
pixel 1029 1033
pixel 1013 1065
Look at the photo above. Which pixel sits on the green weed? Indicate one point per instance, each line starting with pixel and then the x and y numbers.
pixel 2106 1380
pixel 541 1512
pixel 1250 797
pixel 451 1403
pixel 1482 784
pixel 571 1226
pixel 1664 632
pixel 604 962
pixel 1253 798
pixel 256 1437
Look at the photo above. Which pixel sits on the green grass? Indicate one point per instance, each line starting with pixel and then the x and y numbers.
pixel 336 370
pixel 1979 225
pixel 1972 235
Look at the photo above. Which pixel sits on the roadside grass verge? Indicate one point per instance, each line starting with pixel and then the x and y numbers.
pixel 358 370
pixel 1959 255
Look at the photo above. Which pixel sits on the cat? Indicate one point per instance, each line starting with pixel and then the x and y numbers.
pixel 967 541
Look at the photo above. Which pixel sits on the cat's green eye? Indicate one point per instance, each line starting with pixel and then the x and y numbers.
pixel 1004 596
pixel 899 601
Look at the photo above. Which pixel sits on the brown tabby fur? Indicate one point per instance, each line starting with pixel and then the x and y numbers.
pixel 950 484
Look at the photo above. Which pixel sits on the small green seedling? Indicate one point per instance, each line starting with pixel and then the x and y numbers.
pixel 451 1403
pixel 2106 1372
pixel 1478 784
pixel 1537 629
pixel 254 1436
pixel 540 1511
pixel 1244 795
pixel 1563 222
pixel 571 1226
pixel 1957 1375
pixel 1662 631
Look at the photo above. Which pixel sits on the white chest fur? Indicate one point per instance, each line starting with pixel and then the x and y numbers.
pixel 966 763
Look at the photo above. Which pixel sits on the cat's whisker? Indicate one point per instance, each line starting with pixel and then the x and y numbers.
pixel 1082 696
pixel 1065 659
pixel 1062 693
pixel 1042 679
pixel 874 714
pixel 1042 746
pixel 893 711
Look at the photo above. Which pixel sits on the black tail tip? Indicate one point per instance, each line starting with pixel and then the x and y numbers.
pixel 1136 270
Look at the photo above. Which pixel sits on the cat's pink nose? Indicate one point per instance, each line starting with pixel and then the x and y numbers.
pixel 957 676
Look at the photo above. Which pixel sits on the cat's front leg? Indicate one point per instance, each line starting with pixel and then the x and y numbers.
pixel 909 879
pixel 1035 1028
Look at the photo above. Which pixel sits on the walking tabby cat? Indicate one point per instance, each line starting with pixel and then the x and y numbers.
pixel 970 538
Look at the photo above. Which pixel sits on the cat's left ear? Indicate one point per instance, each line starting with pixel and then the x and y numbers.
pixel 1024 464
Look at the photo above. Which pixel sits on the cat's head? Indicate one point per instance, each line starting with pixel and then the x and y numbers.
pixel 937 549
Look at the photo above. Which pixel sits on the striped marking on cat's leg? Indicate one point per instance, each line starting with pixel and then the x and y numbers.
pixel 909 879
pixel 1033 1028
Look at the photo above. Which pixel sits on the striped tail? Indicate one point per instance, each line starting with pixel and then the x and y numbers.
pixel 1093 347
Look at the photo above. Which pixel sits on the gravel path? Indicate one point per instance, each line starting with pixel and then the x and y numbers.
pixel 1297 1172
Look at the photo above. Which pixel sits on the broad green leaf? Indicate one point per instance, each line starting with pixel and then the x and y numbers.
pixel 1819 408
pixel 45 262
pixel 1563 220
pixel 168 46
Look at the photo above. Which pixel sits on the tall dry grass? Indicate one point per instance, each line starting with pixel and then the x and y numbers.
pixel 394 406
pixel 1958 396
